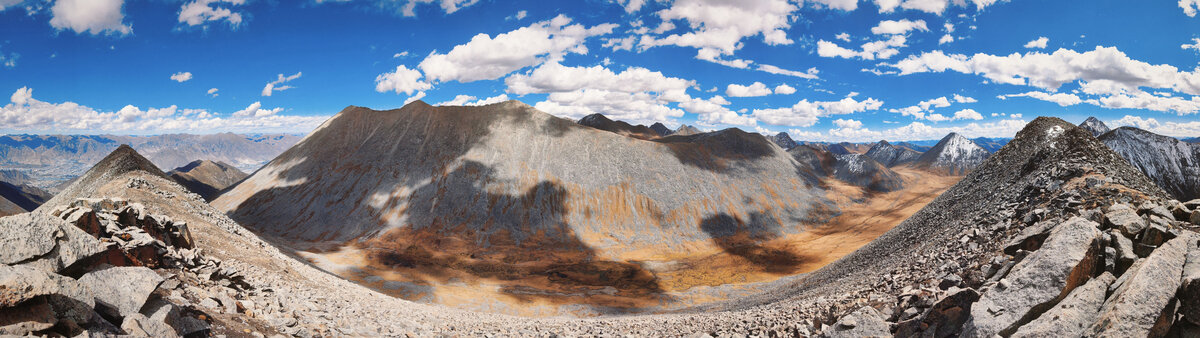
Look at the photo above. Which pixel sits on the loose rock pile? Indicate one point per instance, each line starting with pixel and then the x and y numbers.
pixel 106 267
pixel 1118 270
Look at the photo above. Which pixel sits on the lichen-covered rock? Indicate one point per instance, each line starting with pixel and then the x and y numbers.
pixel 1189 291
pixel 26 236
pixel 1073 314
pixel 1144 304
pixel 1125 219
pixel 1037 283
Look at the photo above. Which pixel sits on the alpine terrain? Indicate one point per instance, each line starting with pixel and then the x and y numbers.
pixel 206 178
pixel 954 154
pixel 1173 164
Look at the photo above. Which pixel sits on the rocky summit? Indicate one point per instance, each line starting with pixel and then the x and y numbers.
pixel 954 154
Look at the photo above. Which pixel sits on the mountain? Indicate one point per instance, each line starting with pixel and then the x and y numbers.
pixel 206 178
pixel 862 171
pixel 1191 140
pixel 1095 126
pixel 918 146
pixel 25 196
pixel 838 149
pixel 890 156
pixel 783 140
pixel 110 168
pixel 8 208
pixel 14 176
pixel 685 130
pixel 991 144
pixel 51 159
pixel 954 154
pixel 541 204
pixel 1173 164
pixel 599 121
pixel 660 129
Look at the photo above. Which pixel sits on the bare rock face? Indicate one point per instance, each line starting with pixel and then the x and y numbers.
pixel 207 178
pixel 1073 314
pixel 122 290
pixel 1172 164
pixel 1095 126
pixel 1189 291
pixel 954 154
pixel 889 155
pixel 1144 304
pixel 1064 262
pixel 41 240
pixel 1125 219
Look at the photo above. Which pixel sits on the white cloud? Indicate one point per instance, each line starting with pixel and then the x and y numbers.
pixel 520 15
pixel 1195 45
pixel 928 6
pixel 487 58
pixel 851 132
pixel 181 76
pixel 1176 129
pixel 806 113
pixel 274 86
pixel 753 90
pixel 5 4
pixel 899 27
pixel 1105 65
pixel 713 112
pixel 810 74
pixel 844 123
pixel 450 6
pixel 213 92
pixel 718 26
pixel 1062 99
pixel 784 89
pixel 887 6
pixel 967 114
pixel 1037 43
pixel 631 6
pixel 882 49
pixel 28 115
pixel 91 16
pixel 845 5
pixel 200 12
pixel 468 100
pixel 636 94
pixel 946 39
pixel 255 110
pixel 1147 101
pixel 964 99
pixel 402 80
pixel 9 60
pixel 1189 7
pixel 924 110
pixel 843 36
pixel 400 55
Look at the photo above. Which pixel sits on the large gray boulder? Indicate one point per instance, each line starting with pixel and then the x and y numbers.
pixel 864 322
pixel 1037 283
pixel 1125 219
pixel 1189 291
pixel 24 237
pixel 122 290
pixel 68 298
pixel 1073 314
pixel 1143 306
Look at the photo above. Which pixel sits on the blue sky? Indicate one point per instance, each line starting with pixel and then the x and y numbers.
pixel 832 70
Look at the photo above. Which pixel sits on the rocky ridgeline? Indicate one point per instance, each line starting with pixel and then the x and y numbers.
pixel 1117 270
pixel 107 267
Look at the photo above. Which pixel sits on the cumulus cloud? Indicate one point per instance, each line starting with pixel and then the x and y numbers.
pixel 29 115
pixel 635 94
pixel 468 100
pixel 402 80
pixel 488 58
pixel 810 74
pixel 181 76
pixel 964 99
pixel 753 90
pixel 843 36
pixel 848 131
pixel 1037 43
pixel 1176 129
pixel 924 110
pixel 1062 99
pixel 882 49
pixel 718 26
pixel 806 113
pixel 213 92
pixel 521 14
pixel 1195 45
pixel 200 12
pixel 91 16
pixel 1189 7
pixel 899 27
pixel 9 60
pixel 277 85
pixel 449 6
pixel 1107 65
pixel 946 39
pixel 845 5
pixel 784 89
pixel 631 6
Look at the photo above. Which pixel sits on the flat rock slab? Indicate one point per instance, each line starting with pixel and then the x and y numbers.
pixel 1073 314
pixel 122 289
pixel 26 236
pixel 1124 218
pixel 1037 283
pixel 1143 304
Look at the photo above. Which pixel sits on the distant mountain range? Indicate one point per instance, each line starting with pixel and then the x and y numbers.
pixel 51 159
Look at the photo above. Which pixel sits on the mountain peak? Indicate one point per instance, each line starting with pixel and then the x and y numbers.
pixel 119 162
pixel 1095 126
pixel 954 154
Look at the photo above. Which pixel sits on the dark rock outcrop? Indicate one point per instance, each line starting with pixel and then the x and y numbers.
pixel 1095 126
pixel 889 155
pixel 783 140
pixel 1173 164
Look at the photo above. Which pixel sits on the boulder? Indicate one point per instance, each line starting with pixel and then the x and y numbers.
pixel 1157 232
pixel 122 290
pixel 864 322
pixel 139 325
pixel 1124 247
pixel 944 319
pixel 1123 218
pixel 1195 217
pixel 1038 282
pixel 68 298
pixel 26 236
pixel 1180 211
pixel 1157 210
pixel 1031 238
pixel 1189 291
pixel 1073 314
pixel 1144 304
